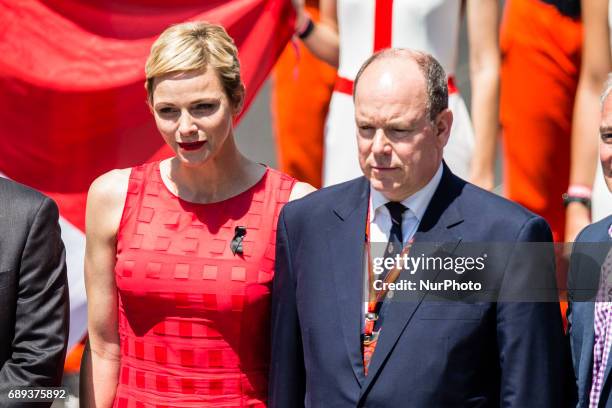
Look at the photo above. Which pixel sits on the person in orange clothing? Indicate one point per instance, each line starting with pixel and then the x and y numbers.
pixel 541 50
pixel 72 367
pixel 588 199
pixel 301 89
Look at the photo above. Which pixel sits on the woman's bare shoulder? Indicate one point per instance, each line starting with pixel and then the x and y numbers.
pixel 105 202
pixel 300 190
pixel 110 187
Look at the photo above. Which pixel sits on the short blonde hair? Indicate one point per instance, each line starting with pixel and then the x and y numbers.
pixel 194 46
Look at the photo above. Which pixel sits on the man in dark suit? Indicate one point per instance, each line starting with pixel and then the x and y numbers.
pixel 33 293
pixel 590 290
pixel 333 346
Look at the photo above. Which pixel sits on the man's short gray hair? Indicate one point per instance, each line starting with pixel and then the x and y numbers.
pixel 435 77
pixel 607 89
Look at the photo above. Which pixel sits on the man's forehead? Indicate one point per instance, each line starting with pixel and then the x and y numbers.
pixel 390 113
pixel 392 73
pixel 386 79
pixel 387 90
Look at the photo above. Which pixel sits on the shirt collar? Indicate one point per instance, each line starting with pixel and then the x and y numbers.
pixel 417 202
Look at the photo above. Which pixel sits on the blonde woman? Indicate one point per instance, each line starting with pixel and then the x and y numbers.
pixel 180 252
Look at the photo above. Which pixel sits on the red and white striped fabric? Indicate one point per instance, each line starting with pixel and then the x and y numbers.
pixel 73 98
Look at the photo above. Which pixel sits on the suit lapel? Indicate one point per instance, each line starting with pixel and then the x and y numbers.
pixel 346 237
pixel 436 228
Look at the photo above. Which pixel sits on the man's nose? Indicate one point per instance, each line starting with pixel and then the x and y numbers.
pixel 380 143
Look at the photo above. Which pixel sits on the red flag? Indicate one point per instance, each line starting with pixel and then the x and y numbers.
pixel 72 86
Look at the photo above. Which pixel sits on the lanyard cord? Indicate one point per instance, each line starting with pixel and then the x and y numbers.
pixel 375 297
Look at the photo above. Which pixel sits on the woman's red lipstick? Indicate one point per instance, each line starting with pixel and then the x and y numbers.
pixel 191 145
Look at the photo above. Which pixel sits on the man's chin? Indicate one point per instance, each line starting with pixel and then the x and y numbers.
pixel 381 184
pixel 386 187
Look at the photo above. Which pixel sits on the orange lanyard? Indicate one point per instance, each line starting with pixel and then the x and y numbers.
pixel 375 297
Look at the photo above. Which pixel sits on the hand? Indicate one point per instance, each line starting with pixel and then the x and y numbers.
pixel 300 12
pixel 298 5
pixel 577 216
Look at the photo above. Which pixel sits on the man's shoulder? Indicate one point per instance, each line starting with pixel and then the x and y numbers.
pixel 483 203
pixel 326 198
pixel 16 198
pixel 594 232
pixel 20 204
pixel 488 216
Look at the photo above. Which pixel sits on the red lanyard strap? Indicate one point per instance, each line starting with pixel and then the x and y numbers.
pixel 375 297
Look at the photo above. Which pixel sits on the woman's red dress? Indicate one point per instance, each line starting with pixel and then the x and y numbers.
pixel 193 316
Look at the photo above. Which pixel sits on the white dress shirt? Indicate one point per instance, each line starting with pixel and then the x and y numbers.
pixel 380 219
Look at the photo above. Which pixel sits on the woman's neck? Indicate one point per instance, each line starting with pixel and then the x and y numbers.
pixel 220 178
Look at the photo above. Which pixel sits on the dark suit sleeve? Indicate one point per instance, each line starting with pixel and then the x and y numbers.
pixel 533 351
pixel 287 376
pixel 41 328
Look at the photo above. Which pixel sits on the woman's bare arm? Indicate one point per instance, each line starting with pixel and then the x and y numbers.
pixel 323 41
pixel 484 56
pixel 596 63
pixel 100 364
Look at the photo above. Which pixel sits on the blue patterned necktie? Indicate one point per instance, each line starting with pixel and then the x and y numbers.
pixel 394 248
pixel 396 238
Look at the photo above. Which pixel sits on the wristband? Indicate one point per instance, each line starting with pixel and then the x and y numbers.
pixel 306 29
pixel 579 190
pixel 568 199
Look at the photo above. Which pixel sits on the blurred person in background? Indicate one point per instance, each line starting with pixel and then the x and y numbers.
pixel 180 253
pixel 587 197
pixel 351 30
pixel 590 312
pixel 33 293
pixel 541 43
pixel 301 83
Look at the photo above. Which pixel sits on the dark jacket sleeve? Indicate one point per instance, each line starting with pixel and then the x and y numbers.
pixel 533 350
pixel 287 376
pixel 41 329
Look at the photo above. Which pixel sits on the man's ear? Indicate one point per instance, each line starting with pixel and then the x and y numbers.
pixel 442 126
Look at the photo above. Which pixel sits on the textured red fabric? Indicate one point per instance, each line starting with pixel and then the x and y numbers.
pixel 193 317
pixel 72 75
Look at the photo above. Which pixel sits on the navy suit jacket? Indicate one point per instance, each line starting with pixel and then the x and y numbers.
pixel 588 254
pixel 429 354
